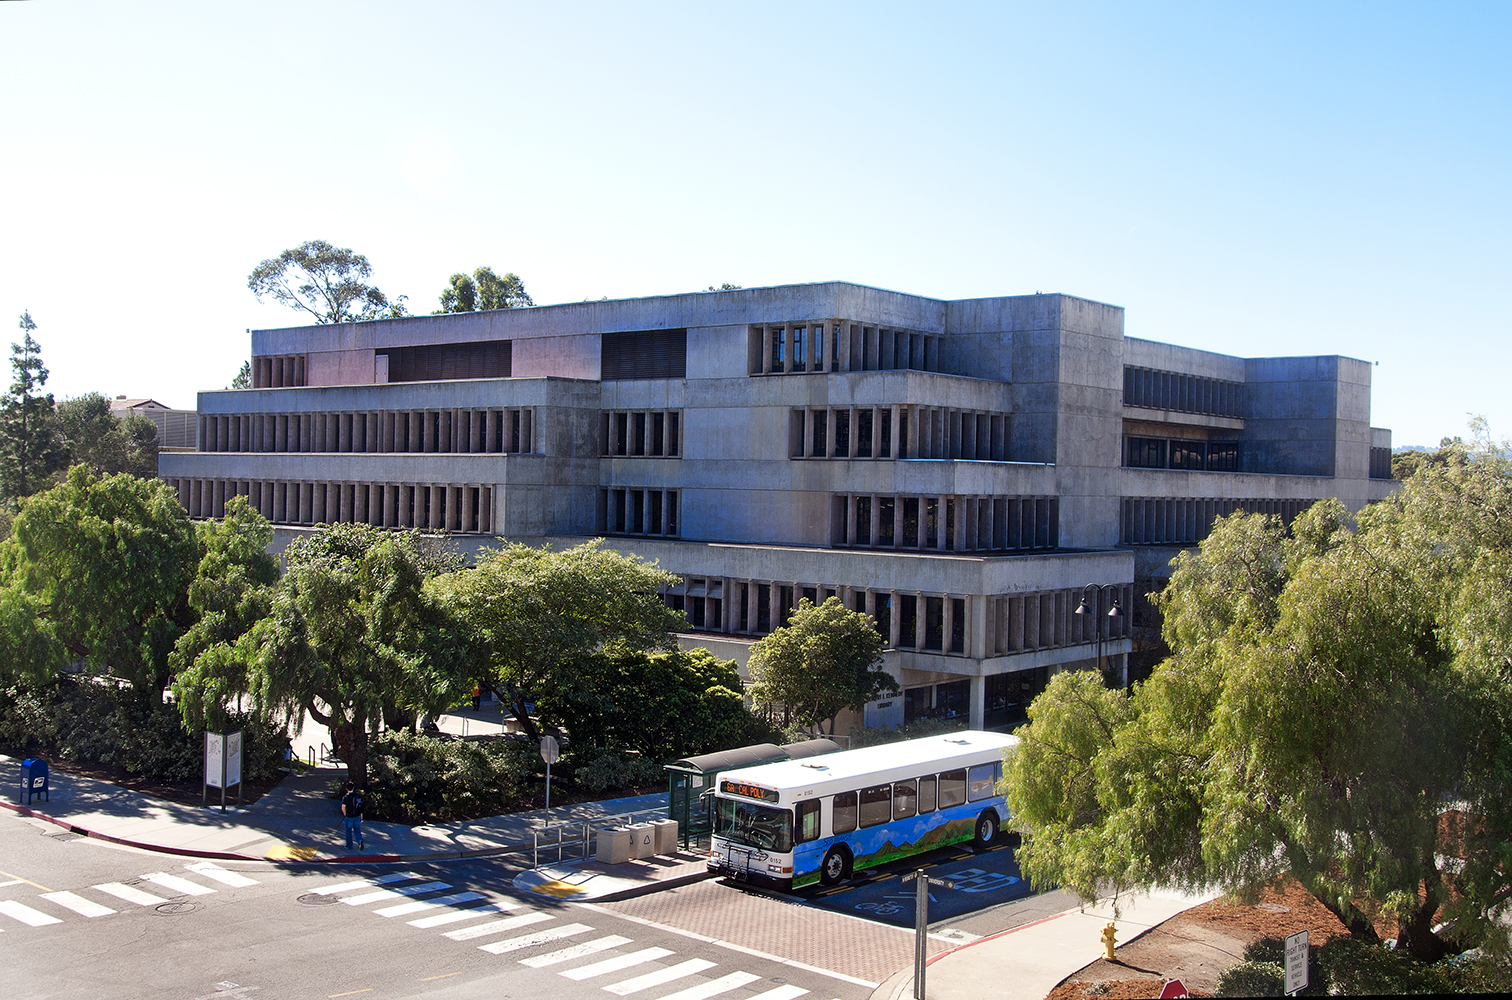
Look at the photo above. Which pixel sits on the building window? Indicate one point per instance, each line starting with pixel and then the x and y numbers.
pixel 649 512
pixel 639 433
pixel 644 354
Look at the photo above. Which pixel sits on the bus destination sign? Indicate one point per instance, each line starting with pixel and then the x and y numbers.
pixel 749 790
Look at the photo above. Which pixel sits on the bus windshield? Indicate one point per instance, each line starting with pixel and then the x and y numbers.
pixel 755 826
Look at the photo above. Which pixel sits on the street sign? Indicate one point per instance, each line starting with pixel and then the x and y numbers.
pixel 921 924
pixel 223 766
pixel 550 752
pixel 1296 962
pixel 1173 990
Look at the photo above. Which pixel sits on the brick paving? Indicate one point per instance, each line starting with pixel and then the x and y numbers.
pixel 861 948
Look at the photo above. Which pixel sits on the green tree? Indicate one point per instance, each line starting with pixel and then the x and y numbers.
pixel 661 705
pixel 91 435
pixel 29 452
pixel 824 660
pixel 540 615
pixel 351 631
pixel 328 282
pixel 104 563
pixel 243 379
pixel 1335 708
pixel 484 291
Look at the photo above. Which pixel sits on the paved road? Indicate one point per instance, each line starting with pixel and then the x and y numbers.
pixel 79 919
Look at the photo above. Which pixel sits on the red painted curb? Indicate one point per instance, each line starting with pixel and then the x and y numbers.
pixel 994 937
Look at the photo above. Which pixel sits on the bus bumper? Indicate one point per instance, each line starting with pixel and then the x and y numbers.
pixel 767 880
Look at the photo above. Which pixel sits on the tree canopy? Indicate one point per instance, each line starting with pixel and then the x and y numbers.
pixel 1336 708
pixel 91 435
pixel 328 282
pixel 540 615
pixel 824 660
pixel 484 291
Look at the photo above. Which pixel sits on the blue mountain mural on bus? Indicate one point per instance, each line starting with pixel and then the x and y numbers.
pixel 880 844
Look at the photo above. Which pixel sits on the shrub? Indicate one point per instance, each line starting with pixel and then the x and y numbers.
pixel 1272 951
pixel 604 770
pixel 1356 967
pixel 1252 979
pixel 415 778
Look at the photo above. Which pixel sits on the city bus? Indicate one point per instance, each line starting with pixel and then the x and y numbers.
pixel 796 822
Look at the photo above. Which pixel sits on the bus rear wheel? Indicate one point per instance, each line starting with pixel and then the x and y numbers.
pixel 835 866
pixel 986 829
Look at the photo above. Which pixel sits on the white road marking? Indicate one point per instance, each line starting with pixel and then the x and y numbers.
pixel 25 914
pixel 78 904
pixel 660 976
pixel 428 904
pixel 494 927
pixel 714 987
pixel 617 963
pixel 576 951
pixel 780 993
pixel 531 940
pixel 364 883
pixel 130 893
pixel 235 880
pixel 408 890
pixel 454 916
pixel 181 885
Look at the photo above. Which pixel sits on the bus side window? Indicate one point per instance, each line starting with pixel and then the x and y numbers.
pixel 905 794
pixel 983 781
pixel 876 805
pixel 808 822
pixel 952 789
pixel 927 794
pixel 844 817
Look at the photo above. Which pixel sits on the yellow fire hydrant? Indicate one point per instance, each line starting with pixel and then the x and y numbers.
pixel 1108 934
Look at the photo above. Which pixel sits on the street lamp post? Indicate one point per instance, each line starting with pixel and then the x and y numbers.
pixel 1115 612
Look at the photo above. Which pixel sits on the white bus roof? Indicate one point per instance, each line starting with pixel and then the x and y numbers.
pixel 843 769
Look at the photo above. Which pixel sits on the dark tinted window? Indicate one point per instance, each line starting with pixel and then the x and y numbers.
pixel 952 789
pixel 808 822
pixel 927 794
pixel 876 805
pixel 644 354
pixel 844 818
pixel 983 781
pixel 905 799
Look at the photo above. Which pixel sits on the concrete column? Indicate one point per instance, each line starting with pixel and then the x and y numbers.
pixel 527 431
pixel 947 622
pixel 978 703
pixel 766 348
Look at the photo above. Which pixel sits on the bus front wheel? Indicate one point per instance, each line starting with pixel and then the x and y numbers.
pixel 835 866
pixel 986 829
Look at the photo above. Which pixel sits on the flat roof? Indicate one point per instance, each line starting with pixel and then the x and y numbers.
pixel 920 754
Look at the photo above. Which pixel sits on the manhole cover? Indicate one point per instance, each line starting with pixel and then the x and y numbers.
pixel 185 907
pixel 316 899
pixel 1273 907
pixel 63 836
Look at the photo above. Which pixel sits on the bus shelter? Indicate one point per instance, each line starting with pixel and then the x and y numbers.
pixel 690 782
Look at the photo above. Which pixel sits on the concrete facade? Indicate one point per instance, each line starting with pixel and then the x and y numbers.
pixel 960 470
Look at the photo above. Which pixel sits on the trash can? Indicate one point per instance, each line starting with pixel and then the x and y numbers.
pixel 665 836
pixel 34 780
pixel 613 845
pixel 642 840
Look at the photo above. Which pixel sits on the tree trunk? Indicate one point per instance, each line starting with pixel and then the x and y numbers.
pixel 352 746
pixel 1415 932
pixel 517 709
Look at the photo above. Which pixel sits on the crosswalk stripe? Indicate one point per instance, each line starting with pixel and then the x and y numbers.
pixel 531 940
pixel 427 904
pixel 181 885
pixel 576 951
pixel 617 963
pixel 454 916
pixel 407 890
pixel 660 976
pixel 364 883
pixel 494 927
pixel 780 993
pixel 235 880
pixel 25 914
pixel 78 904
pixel 714 987
pixel 130 893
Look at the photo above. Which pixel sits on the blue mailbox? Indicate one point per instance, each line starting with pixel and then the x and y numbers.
pixel 34 779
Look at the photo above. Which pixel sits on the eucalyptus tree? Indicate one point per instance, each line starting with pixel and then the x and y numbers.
pixel 824 660
pixel 328 282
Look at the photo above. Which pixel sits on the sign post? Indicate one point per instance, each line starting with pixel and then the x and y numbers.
pixel 1296 963
pixel 921 923
pixel 223 766
pixel 549 753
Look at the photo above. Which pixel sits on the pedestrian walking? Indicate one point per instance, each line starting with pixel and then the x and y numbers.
pixel 351 815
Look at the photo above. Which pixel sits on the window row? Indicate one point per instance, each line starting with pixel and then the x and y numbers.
pixel 432 507
pixel 901 799
pixel 839 346
pixel 624 510
pixel 451 431
pixel 949 524
pixel 1187 521
pixel 1189 456
pixel 898 432
pixel 1380 463
pixel 1018 623
pixel 1182 393
pixel 637 433
pixel 277 371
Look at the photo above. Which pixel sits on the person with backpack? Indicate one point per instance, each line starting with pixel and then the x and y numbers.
pixel 351 815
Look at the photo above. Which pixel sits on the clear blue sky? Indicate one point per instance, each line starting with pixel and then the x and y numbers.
pixel 1256 179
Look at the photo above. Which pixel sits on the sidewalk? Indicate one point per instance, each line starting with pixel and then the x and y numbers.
pixel 294 822
pixel 1027 962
